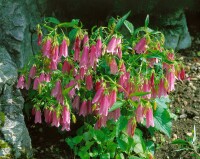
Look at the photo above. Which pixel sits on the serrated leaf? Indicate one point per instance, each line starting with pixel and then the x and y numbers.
pixel 162 121
pixel 150 146
pixel 121 21
pixel 84 154
pixel 118 104
pixel 122 123
pixel 52 20
pixel 129 26
pixel 161 102
pixel 70 142
pixel 147 21
pixel 120 156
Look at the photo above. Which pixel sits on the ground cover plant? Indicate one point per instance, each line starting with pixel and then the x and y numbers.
pixel 113 80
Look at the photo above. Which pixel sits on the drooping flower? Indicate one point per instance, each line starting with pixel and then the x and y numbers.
pixel 38 118
pixel 48 116
pixel 83 109
pixel 82 72
pixel 89 82
pixel 112 45
pixel 76 103
pixel 161 88
pixel 149 118
pixel 63 50
pixel 66 67
pixel 140 47
pixel 170 56
pixel 46 48
pixel 39 41
pixel 42 77
pixel 21 82
pixel 65 126
pixel 146 88
pixel 57 89
pixel 182 74
pixel 84 57
pixel 170 76
pixel 152 83
pixel 55 53
pixel 112 97
pixel 104 105
pixel 85 39
pixel 55 120
pixel 114 114
pixel 139 113
pixel 113 66
pixel 131 127
pixel 76 48
pixel 98 48
pixel 53 65
pixel 32 72
pixel 36 83
pixel 48 77
pixel 89 107
pixel 92 56
pixel 101 122
pixel 65 115
pixel 97 95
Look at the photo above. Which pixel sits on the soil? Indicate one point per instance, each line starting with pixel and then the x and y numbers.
pixel 185 104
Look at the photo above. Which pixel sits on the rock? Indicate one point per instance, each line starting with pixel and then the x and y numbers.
pixel 175 30
pixel 17 19
pixel 182 116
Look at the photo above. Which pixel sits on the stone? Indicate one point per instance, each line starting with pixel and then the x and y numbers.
pixel 18 20
pixel 175 30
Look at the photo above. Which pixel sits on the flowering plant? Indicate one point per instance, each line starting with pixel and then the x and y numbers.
pixel 102 74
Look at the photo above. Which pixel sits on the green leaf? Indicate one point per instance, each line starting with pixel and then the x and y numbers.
pixel 98 135
pixel 111 147
pixel 122 123
pixel 72 34
pixel 105 156
pixel 150 146
pixel 139 94
pixel 73 23
pixel 118 104
pixel 120 156
pixel 121 21
pixel 122 144
pixel 180 142
pixel 161 102
pixel 52 20
pixel 134 157
pixel 147 21
pixel 84 154
pixel 162 121
pixel 76 140
pixel 70 142
pixel 129 26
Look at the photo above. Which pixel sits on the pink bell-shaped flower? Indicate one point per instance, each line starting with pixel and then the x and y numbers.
pixel 55 53
pixel 140 47
pixel 76 103
pixel 28 84
pixel 42 77
pixel 101 122
pixel 149 118
pixel 104 105
pixel 139 113
pixel 161 89
pixel 76 49
pixel 53 65
pixel 98 95
pixel 92 56
pixel 84 57
pixel 46 48
pixel 48 77
pixel 112 97
pixel 83 110
pixel 32 72
pixel 98 48
pixel 39 41
pixel 38 118
pixel 21 82
pixel 113 66
pixel 47 116
pixel 36 83
pixel 131 127
pixel 112 45
pixel 170 76
pixel 57 89
pixel 63 49
pixel 89 83
pixel 147 88
pixel 65 115
pixel 55 120
pixel 85 39
pixel 66 67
